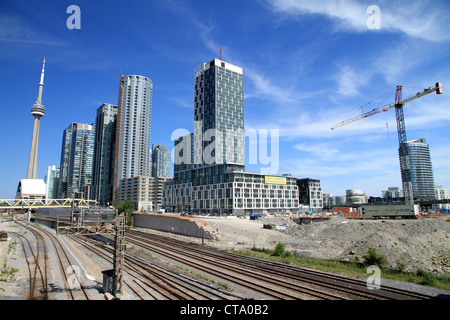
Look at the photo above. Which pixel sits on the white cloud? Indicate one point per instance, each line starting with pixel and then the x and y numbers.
pixel 415 19
pixel 265 88
pixel 12 29
pixel 182 103
pixel 349 81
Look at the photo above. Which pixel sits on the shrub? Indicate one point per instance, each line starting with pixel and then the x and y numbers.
pixel 279 250
pixel 372 257
pixel 400 267
pixel 428 278
pixel 263 250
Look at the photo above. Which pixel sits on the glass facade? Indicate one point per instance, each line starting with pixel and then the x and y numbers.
pixel 219 113
pixel 105 136
pixel 51 182
pixel 310 193
pixel 161 161
pixel 77 157
pixel 421 169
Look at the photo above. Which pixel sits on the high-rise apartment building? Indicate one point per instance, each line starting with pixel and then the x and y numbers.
pixel 219 114
pixel 421 169
pixel 161 161
pixel 217 182
pixel 132 149
pixel 77 157
pixel 105 138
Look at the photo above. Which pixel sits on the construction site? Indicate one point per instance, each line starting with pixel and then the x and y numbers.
pixel 168 257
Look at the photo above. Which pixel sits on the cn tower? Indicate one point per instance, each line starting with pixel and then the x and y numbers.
pixel 37 111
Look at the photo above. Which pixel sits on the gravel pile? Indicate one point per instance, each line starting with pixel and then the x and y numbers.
pixel 423 243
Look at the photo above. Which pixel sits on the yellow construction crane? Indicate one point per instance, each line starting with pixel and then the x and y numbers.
pixel 403 152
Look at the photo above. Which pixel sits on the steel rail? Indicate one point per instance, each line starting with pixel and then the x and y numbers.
pixel 288 290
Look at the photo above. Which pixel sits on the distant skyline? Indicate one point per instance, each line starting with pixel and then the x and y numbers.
pixel 307 65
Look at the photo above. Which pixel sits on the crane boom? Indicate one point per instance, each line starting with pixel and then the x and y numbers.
pixel 375 111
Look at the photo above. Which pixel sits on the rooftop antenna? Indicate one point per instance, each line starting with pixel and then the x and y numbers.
pixel 220 53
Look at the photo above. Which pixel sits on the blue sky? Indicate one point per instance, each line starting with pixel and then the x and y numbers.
pixel 307 66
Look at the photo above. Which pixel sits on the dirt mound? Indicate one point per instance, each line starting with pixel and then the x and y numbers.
pixel 423 243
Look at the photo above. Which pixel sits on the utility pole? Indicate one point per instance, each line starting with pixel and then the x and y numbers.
pixel 120 226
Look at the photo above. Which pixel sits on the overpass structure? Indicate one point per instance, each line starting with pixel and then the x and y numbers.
pixel 25 204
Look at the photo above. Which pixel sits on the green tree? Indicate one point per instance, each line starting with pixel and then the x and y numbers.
pixel 126 206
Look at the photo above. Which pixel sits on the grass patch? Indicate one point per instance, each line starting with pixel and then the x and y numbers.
pixel 12 246
pixel 354 268
pixel 7 273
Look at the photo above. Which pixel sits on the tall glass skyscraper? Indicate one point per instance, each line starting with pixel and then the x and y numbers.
pixel 217 183
pixel 421 169
pixel 219 114
pixel 133 149
pixel 105 138
pixel 161 161
pixel 77 157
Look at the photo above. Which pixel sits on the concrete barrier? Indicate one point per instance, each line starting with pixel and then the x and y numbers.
pixel 171 223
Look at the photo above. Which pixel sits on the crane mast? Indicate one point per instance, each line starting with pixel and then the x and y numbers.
pixel 401 129
pixel 405 167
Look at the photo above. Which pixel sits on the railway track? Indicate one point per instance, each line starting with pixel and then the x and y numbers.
pixel 37 287
pixel 151 282
pixel 268 285
pixel 73 283
pixel 317 284
pixel 37 267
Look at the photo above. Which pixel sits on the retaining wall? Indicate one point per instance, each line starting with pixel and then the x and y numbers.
pixel 171 223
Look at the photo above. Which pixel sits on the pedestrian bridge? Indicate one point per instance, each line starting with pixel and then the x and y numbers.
pixel 25 204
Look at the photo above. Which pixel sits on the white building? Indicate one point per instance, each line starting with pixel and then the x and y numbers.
pixel 31 189
pixel 441 194
pixel 227 189
pixel 133 149
pixel 355 196
pixel 146 193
